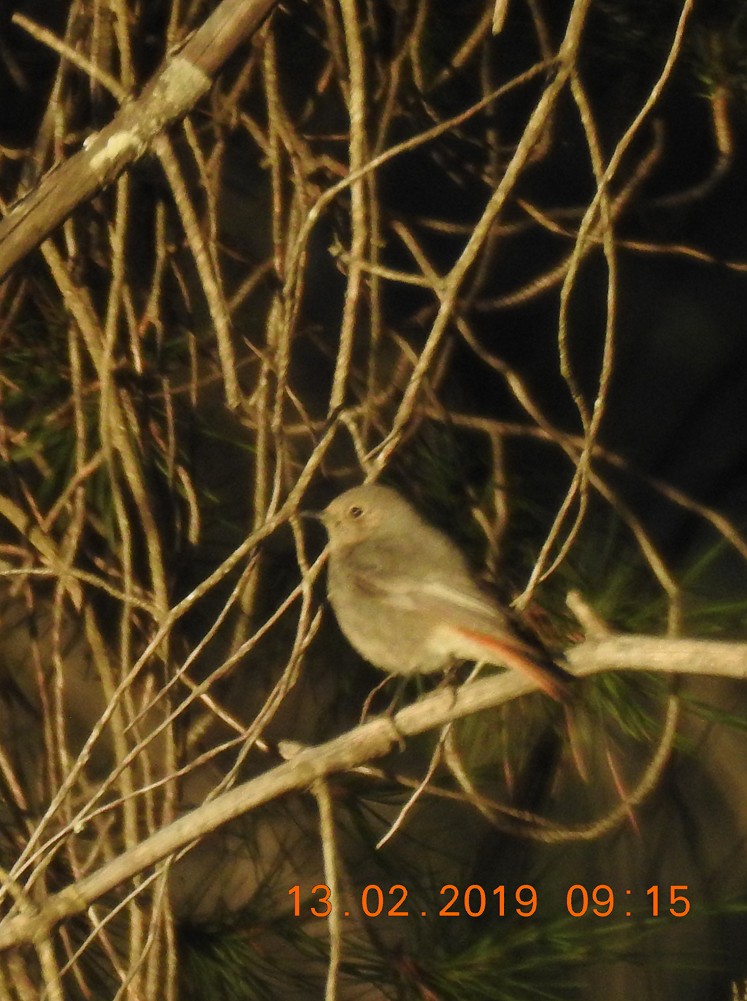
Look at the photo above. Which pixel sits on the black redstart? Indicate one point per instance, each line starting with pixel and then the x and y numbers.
pixel 405 598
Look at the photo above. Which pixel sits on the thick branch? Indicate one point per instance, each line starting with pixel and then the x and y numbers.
pixel 168 97
pixel 653 653
pixel 372 740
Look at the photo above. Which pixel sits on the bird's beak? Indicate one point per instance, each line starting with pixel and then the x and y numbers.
pixel 312 515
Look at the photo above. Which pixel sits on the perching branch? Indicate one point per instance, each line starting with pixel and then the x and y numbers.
pixel 652 653
pixel 359 745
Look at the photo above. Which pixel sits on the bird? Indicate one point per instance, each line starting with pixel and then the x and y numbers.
pixel 407 600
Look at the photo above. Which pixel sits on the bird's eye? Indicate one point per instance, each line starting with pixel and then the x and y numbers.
pixel 355 511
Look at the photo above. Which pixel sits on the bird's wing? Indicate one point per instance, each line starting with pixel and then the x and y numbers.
pixel 459 604
pixel 432 595
pixel 398 591
pixel 457 601
pixel 490 632
pixel 439 593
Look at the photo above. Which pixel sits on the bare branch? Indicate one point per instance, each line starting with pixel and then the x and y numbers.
pixel 366 742
pixel 170 95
